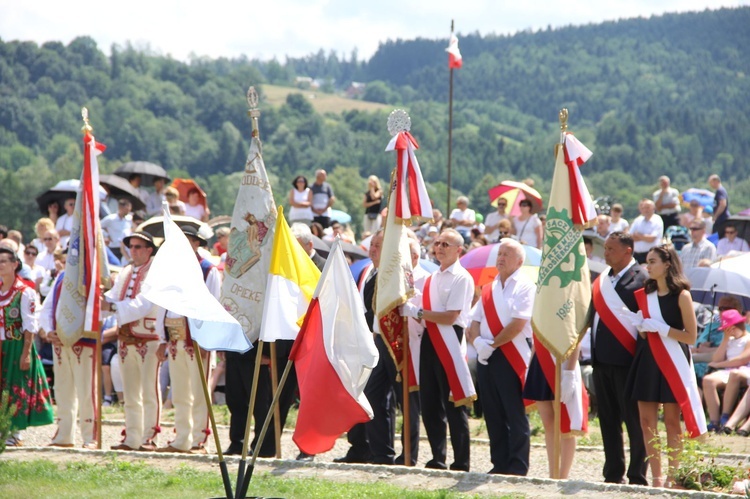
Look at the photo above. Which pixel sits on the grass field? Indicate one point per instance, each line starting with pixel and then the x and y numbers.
pixel 321 102
pixel 113 478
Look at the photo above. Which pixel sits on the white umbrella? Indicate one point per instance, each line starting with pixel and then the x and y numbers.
pixel 738 264
pixel 708 284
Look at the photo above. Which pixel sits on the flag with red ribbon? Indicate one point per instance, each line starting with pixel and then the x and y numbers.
pixel 78 312
pixel 411 200
pixel 455 61
pixel 576 154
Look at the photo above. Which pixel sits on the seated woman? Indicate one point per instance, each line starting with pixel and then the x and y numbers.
pixel 731 360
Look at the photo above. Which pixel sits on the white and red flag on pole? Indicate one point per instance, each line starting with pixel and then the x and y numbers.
pixel 334 355
pixel 78 312
pixel 411 199
pixel 576 154
pixel 455 61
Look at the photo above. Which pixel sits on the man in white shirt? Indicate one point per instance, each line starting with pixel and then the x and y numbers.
pixel 647 230
pixel 156 198
pixel 500 330
pixel 698 248
pixel 492 222
pixel 463 217
pixel 667 202
pixel 118 226
pixel 64 224
pixel 730 242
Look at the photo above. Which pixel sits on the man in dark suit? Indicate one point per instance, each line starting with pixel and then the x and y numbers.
pixel 612 350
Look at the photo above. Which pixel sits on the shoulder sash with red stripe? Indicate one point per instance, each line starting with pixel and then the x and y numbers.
pixel 676 369
pixel 604 309
pixel 448 350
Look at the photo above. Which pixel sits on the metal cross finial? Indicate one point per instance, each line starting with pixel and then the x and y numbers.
pixel 563 117
pixel 86 128
pixel 398 121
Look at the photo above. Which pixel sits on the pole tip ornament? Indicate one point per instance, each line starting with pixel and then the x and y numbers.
pixel 398 121
pixel 563 116
pixel 253 112
pixel 86 128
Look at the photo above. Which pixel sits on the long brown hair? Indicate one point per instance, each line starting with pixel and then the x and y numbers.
pixel 676 280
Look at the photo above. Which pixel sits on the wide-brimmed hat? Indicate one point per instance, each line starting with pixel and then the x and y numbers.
pixel 730 318
pixel 191 231
pixel 144 236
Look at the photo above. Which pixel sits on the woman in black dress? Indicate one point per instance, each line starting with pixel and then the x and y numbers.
pixel 673 320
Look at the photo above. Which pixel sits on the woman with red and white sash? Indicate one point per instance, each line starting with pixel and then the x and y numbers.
pixel 662 370
pixel 540 382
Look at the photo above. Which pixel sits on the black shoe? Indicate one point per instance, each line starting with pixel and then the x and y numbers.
pixel 305 458
pixel 386 461
pixel 459 467
pixel 434 465
pixel 353 459
pixel 234 449
pixel 399 461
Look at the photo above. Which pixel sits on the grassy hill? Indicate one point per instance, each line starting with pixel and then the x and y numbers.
pixel 322 102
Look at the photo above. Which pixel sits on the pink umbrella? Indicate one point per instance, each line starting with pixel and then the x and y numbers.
pixel 480 262
pixel 514 193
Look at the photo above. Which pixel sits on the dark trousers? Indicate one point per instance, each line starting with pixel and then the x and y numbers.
pixel 670 220
pixel 437 410
pixel 505 415
pixel 239 382
pixel 640 257
pixel 614 409
pixel 289 390
pixel 384 393
pixel 323 220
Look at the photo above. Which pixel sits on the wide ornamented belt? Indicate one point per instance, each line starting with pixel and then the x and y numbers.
pixel 176 328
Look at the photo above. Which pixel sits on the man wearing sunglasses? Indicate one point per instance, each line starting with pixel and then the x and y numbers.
pixel 730 242
pixel 699 248
pixel 446 387
pixel 140 346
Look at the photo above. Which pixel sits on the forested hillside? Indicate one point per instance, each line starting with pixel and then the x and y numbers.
pixel 666 95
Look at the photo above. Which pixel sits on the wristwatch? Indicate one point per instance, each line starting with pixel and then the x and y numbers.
pixel 420 313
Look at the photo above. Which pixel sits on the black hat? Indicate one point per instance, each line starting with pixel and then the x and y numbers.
pixel 191 231
pixel 144 236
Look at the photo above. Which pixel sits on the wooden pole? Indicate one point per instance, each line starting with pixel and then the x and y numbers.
pixel 556 448
pixel 251 409
pixel 222 463
pixel 276 412
pixel 450 135
pixel 98 384
pixel 406 431
pixel 242 491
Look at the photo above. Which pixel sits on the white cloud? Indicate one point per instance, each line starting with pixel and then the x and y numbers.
pixel 300 27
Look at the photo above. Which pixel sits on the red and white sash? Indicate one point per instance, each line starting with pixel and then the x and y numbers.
pixel 574 417
pixel 676 369
pixel 452 354
pixel 516 351
pixel 606 303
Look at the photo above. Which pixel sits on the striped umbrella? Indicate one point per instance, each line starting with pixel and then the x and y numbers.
pixel 514 193
pixel 480 262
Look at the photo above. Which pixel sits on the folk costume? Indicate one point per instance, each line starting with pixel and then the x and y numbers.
pixel 27 390
pixel 138 342
pixel 74 369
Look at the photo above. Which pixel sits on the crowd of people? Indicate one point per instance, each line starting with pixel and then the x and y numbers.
pixel 473 347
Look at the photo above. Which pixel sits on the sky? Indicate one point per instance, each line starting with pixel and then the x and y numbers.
pixel 279 28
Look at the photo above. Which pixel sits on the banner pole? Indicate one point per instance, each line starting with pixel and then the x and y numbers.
pixel 251 409
pixel 276 412
pixel 406 431
pixel 450 135
pixel 558 434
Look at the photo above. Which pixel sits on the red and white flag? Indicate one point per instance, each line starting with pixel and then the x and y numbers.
pixel 455 61
pixel 334 355
pixel 576 154
pixel 78 311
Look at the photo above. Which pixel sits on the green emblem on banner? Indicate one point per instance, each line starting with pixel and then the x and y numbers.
pixel 564 257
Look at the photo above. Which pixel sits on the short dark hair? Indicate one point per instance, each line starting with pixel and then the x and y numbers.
pixel 298 177
pixel 134 176
pixel 624 238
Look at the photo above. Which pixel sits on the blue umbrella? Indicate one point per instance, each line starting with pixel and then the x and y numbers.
pixel 703 196
pixel 341 217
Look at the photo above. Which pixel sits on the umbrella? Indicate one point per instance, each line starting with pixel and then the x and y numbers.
pixel 354 251
pixel 703 196
pixel 514 193
pixel 742 223
pixel 148 171
pixel 708 284
pixel 185 185
pixel 738 264
pixel 120 188
pixel 155 225
pixel 480 262
pixel 63 190
pixel 340 217
pixel 596 240
pixel 358 266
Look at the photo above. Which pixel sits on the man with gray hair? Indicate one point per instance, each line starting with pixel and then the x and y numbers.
pixel 501 333
pixel 647 230
pixel 698 248
pixel 305 238
pixel 667 202
pixel 322 199
pixel 463 217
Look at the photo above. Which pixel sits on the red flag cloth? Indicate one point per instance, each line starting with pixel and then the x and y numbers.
pixel 455 61
pixel 410 190
pixel 334 356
